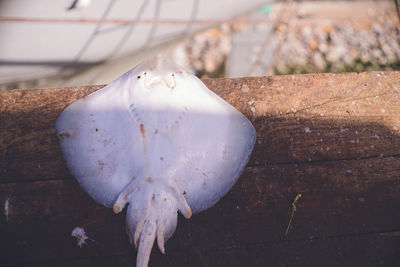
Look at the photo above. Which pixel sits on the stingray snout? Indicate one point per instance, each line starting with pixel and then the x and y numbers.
pixel 152 80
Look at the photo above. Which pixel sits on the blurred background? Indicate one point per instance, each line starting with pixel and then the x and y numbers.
pixel 47 43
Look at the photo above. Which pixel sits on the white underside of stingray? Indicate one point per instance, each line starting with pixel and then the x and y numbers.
pixel 158 139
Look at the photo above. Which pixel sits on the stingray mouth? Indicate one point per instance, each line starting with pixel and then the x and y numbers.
pixel 158 80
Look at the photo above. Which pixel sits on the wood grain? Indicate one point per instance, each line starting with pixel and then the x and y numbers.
pixel 334 138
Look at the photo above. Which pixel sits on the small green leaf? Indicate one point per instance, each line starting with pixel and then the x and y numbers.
pixel 298 196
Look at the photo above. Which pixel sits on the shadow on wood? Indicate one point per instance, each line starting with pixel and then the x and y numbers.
pixel 333 138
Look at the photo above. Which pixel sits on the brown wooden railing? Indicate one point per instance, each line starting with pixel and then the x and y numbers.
pixel 334 138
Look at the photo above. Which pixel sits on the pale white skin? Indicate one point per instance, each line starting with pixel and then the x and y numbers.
pixel 158 139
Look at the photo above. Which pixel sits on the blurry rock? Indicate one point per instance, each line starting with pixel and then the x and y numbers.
pixel 313 45
pixel 318 60
pixel 205 52
pixel 340 45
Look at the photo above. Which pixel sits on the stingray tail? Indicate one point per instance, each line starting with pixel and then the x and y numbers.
pixel 147 238
pixel 152 213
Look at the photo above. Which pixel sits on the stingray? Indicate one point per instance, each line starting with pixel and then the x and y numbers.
pixel 158 141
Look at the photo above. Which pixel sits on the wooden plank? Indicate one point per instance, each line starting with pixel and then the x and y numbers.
pixel 255 212
pixel 354 115
pixel 28 144
pixel 374 250
pixel 332 137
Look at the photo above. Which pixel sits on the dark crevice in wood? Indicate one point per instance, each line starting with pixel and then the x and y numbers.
pixel 322 161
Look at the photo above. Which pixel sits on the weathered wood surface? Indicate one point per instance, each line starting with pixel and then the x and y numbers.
pixel 334 138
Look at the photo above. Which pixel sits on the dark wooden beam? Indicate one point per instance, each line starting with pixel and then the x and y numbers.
pixel 334 138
